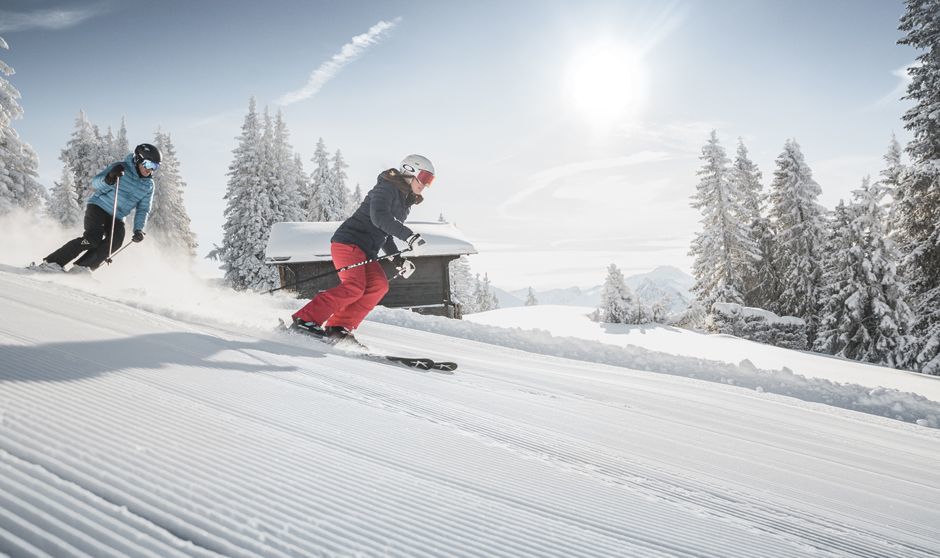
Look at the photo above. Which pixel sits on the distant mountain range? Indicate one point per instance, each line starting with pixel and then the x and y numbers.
pixel 667 282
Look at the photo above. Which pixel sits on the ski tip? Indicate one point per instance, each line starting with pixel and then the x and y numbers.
pixel 416 363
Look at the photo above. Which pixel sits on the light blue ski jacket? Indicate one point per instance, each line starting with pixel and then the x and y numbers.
pixel 135 192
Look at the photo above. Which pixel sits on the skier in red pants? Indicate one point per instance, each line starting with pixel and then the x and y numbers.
pixel 335 313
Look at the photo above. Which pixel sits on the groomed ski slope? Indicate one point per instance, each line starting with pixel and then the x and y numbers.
pixel 133 431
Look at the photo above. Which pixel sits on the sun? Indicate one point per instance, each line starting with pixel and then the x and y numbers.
pixel 605 82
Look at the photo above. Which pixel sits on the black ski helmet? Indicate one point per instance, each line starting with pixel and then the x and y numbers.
pixel 148 152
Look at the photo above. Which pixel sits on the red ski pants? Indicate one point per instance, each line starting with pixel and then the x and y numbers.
pixel 360 290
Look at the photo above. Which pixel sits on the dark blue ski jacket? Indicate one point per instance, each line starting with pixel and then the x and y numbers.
pixel 380 217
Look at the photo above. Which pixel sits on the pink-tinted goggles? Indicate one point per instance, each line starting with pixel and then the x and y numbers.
pixel 425 177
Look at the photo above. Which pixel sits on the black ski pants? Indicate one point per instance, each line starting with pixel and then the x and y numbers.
pixel 94 242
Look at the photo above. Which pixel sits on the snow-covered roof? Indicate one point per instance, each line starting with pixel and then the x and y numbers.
pixel 310 242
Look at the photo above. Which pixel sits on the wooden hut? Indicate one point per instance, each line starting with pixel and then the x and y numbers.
pixel 302 250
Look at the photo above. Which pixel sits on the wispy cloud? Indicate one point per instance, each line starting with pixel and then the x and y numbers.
pixel 680 139
pixel 350 52
pixel 546 178
pixel 53 19
pixel 904 77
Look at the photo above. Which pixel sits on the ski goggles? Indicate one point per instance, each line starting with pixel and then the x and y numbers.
pixel 425 177
pixel 150 165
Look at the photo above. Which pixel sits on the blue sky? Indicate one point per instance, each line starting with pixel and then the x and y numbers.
pixel 566 134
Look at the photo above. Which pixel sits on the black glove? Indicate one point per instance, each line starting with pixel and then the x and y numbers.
pixel 116 171
pixel 415 241
pixel 138 236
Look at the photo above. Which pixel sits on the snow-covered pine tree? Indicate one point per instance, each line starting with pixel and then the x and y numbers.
pixel 102 151
pixel 894 168
pixel 866 303
pixel 111 147
pixel 745 178
pixel 319 180
pixel 617 300
pixel 283 179
pixel 355 200
pixel 837 275
pixel 659 310
pixel 338 185
pixel 724 249
pixel 767 283
pixel 19 164
pixel 303 186
pixel 120 146
pixel 462 286
pixel 918 195
pixel 695 316
pixel 299 178
pixel 108 146
pixel 331 197
pixel 479 303
pixel 248 212
pixel 81 156
pixel 169 223
pixel 64 207
pixel 798 222
pixel 890 181
pixel 485 298
pixel 888 315
pixel 530 299
pixel 642 314
pixel 270 177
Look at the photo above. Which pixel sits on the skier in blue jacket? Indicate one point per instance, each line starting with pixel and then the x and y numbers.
pixel 134 192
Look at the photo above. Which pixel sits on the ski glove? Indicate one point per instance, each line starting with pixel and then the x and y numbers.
pixel 406 268
pixel 415 241
pixel 113 174
pixel 138 236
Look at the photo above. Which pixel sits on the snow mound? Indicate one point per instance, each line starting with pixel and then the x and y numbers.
pixel 891 403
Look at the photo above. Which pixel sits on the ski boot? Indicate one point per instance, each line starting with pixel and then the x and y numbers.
pixel 45 267
pixel 344 339
pixel 308 328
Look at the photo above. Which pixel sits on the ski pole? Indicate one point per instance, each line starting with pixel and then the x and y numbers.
pixel 118 251
pixel 328 273
pixel 117 188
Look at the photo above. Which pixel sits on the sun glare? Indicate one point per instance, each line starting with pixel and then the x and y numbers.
pixel 605 83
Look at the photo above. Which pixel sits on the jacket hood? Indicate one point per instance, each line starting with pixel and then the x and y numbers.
pixel 398 180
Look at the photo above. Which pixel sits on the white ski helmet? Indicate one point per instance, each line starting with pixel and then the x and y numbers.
pixel 419 167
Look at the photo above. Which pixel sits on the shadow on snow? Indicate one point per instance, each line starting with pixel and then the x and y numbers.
pixel 76 360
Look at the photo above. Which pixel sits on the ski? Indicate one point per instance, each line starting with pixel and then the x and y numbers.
pixel 424 364
pixel 417 363
pixel 444 366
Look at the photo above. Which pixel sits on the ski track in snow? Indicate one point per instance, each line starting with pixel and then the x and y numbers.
pixel 129 433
